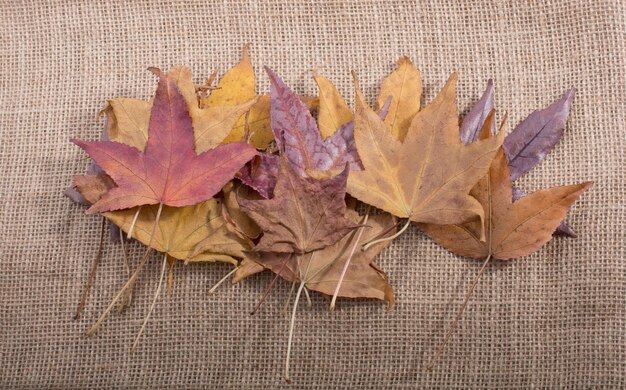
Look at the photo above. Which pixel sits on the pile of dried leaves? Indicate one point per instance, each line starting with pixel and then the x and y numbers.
pixel 218 173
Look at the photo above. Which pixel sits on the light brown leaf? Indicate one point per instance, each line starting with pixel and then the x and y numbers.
pixel 512 229
pixel 362 280
pixel 427 177
pixel 92 187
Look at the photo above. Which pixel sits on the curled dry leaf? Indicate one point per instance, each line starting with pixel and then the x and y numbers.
pixel 169 171
pixel 427 177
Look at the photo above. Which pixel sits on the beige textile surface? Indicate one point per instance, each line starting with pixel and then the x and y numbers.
pixel 553 319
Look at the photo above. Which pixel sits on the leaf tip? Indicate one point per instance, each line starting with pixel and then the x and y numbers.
pixel 404 60
pixel 156 71
pixel 245 52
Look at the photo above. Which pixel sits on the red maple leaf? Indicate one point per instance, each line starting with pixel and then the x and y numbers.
pixel 169 172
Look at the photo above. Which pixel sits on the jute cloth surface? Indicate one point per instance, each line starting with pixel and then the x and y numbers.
pixel 553 319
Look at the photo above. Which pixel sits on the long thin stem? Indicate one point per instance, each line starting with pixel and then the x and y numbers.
pixel 387 230
pixel 269 287
pixel 291 290
pixel 132 279
pixel 347 264
pixel 369 244
pixel 455 323
pixel 308 297
pixel 128 294
pixel 92 274
pixel 222 280
pixel 156 296
pixel 293 317
pixel 124 254
pixel 132 224
pixel 291 327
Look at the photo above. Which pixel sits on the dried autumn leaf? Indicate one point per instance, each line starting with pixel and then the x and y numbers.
pixel 362 279
pixel 536 135
pixel 512 230
pixel 169 171
pixel 236 87
pixel 196 233
pixel 304 215
pixel 181 230
pixel 323 268
pixel 427 177
pixel 305 147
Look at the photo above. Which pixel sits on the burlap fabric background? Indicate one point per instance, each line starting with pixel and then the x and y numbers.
pixel 553 319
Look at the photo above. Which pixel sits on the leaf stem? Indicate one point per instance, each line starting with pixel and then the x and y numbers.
pixel 92 273
pixel 269 287
pixel 455 323
pixel 291 327
pixel 371 243
pixel 132 224
pixel 291 290
pixel 212 290
pixel 293 317
pixel 156 296
pixel 132 279
pixel 128 294
pixel 345 266
pixel 124 254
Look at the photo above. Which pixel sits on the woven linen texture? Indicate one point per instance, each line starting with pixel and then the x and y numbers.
pixel 553 319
